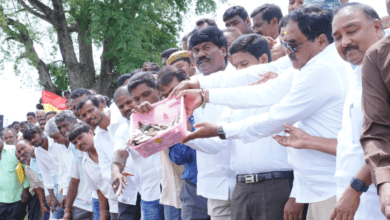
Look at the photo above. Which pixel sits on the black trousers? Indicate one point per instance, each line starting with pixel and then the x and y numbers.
pixel 130 212
pixel 13 211
pixel 261 201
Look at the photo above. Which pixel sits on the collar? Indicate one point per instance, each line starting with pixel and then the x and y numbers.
pixel 329 52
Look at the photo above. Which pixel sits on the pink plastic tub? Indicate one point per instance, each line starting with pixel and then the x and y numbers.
pixel 164 113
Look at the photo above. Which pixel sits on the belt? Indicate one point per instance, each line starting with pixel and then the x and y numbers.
pixel 260 177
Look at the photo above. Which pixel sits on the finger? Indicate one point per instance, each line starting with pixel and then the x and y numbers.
pixel 190 136
pixel 144 109
pixel 300 215
pixel 124 179
pixel 136 109
pixel 279 139
pixel 287 131
pixel 199 125
pixel 180 94
pixel 125 173
pixel 350 217
pixel 333 215
pixel 290 127
pixel 285 216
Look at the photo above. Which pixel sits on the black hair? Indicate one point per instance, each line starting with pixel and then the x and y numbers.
pixel 142 77
pixel 79 128
pixel 43 118
pixel 39 106
pixel 209 34
pixel 123 78
pixel 154 66
pixel 235 10
pixel 282 24
pixel 312 21
pixel 108 100
pixel 166 75
pixel 66 93
pixel 9 126
pixel 58 92
pixel 254 44
pixel 369 11
pixel 185 38
pixel 23 122
pixel 209 21
pixel 268 12
pixel 167 53
pixel 30 130
pixel 13 123
pixel 79 92
pixel 31 113
pixel 95 101
pixel 121 91
pixel 51 112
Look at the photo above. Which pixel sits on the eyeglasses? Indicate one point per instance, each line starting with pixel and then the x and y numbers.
pixel 291 46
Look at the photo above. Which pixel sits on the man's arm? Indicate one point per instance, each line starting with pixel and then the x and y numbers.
pixel 103 205
pixel 41 197
pixel 348 204
pixel 117 167
pixel 71 196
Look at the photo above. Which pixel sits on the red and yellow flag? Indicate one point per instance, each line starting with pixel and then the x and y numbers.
pixel 52 102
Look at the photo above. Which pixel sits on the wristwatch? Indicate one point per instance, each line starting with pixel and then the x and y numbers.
pixel 221 133
pixel 358 185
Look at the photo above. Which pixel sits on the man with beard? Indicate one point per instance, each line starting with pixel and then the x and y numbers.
pixel 107 124
pixel 47 159
pixel 13 194
pixel 316 107
pixel 356 198
pixel 25 154
pixel 237 17
pixel 77 188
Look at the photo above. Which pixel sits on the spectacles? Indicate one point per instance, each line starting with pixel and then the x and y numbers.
pixel 291 46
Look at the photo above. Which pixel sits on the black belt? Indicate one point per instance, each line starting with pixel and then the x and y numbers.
pixel 260 177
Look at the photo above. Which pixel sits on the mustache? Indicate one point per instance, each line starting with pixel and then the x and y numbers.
pixel 89 120
pixel 292 57
pixel 202 59
pixel 128 112
pixel 349 48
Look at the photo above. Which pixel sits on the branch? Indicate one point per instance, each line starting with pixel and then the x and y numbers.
pixel 74 27
pixel 37 14
pixel 10 38
pixel 41 7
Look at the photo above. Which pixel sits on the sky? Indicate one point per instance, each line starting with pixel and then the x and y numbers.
pixel 20 94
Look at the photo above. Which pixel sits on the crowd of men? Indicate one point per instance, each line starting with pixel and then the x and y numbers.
pixel 288 119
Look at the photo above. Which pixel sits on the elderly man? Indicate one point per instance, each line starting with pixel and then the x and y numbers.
pixel 356 198
pixel 312 106
pixel 9 136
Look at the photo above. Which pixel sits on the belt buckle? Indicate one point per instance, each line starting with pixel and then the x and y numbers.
pixel 249 178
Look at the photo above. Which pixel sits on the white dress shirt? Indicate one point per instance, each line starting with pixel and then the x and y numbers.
pixel 350 155
pixel 314 104
pixel 215 178
pixel 83 199
pixel 104 144
pixel 148 170
pixel 263 155
pixel 96 181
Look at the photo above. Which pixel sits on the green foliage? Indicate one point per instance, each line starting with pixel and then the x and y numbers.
pixel 59 75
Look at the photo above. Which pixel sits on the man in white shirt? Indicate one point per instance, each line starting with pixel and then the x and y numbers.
pixel 77 188
pixel 107 123
pixel 46 156
pixel 82 137
pixel 357 196
pixel 316 107
pixel 215 177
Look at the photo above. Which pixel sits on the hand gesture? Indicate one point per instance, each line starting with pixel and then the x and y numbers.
pixel 295 140
pixel 144 108
pixel 347 205
pixel 44 210
pixel 184 85
pixel 203 130
pixel 293 210
pixel 192 100
pixel 271 42
pixel 119 181
pixel 264 78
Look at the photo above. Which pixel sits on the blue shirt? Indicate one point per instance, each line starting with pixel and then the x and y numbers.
pixel 186 156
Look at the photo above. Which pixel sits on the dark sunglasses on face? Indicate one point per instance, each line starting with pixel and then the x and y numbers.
pixel 292 47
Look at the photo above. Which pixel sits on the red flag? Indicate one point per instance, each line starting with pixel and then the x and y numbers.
pixel 52 102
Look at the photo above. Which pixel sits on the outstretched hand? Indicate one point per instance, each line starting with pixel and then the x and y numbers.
pixel 295 140
pixel 184 85
pixel 203 130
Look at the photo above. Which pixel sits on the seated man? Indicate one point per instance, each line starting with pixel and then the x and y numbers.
pixel 193 206
pixel 83 138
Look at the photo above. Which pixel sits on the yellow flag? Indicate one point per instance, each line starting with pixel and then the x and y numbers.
pixel 20 172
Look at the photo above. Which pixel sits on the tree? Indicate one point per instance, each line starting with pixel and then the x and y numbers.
pixel 129 32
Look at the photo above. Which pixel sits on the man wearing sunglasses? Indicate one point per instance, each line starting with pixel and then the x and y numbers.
pixel 312 99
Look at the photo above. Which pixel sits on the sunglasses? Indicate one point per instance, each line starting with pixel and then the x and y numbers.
pixel 291 46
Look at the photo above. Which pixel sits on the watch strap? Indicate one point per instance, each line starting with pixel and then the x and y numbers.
pixel 221 133
pixel 358 185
